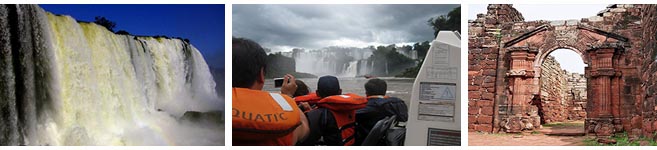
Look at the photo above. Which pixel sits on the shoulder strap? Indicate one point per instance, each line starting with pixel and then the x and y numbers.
pixel 281 101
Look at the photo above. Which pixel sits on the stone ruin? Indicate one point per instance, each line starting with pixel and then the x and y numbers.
pixel 562 96
pixel 618 44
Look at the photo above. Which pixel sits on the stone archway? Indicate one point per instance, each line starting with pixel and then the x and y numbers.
pixel 601 50
pixel 562 93
pixel 618 43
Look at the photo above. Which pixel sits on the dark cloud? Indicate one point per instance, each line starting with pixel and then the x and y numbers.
pixel 282 27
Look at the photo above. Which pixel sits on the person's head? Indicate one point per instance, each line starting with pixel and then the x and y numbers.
pixel 328 86
pixel 249 64
pixel 302 89
pixel 375 87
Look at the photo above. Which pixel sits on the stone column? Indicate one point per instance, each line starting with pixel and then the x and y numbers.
pixel 521 76
pixel 602 72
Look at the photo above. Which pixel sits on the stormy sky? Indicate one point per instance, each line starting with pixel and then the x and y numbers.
pixel 283 27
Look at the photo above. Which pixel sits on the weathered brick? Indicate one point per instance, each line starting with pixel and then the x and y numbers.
pixel 484 103
pixel 483 119
pixel 472 118
pixel 560 97
pixel 473 110
pixel 487 111
pixel 484 127
pixel 487 96
pixel 474 95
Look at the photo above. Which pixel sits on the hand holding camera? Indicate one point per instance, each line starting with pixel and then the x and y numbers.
pixel 287 84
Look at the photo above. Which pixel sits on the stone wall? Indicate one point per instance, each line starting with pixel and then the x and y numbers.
pixel 575 96
pixel 648 70
pixel 483 68
pixel 563 94
pixel 489 87
pixel 553 105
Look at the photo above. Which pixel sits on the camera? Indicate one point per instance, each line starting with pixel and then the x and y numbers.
pixel 278 82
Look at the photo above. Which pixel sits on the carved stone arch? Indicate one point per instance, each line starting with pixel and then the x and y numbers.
pixel 599 49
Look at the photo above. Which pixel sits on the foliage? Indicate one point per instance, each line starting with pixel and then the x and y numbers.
pixel 279 65
pixel 622 139
pixel 122 32
pixel 422 49
pixel 105 23
pixel 411 72
pixel 388 61
pixel 451 21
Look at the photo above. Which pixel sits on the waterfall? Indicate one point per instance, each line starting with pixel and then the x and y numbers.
pixel 352 69
pixel 70 83
pixel 337 61
pixel 363 68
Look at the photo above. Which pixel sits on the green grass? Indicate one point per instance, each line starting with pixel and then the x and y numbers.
pixel 564 124
pixel 592 142
pixel 622 139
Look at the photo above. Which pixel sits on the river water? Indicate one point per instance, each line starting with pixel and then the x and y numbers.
pixel 397 87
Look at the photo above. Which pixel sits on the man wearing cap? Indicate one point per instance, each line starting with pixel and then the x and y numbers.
pixel 333 122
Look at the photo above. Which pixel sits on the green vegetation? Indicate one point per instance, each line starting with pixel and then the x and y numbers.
pixel 102 21
pixel 122 32
pixel 388 61
pixel 622 139
pixel 279 65
pixel 451 21
pixel 422 49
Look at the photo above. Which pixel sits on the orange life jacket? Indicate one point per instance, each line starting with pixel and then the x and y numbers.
pixel 311 98
pixel 377 96
pixel 263 118
pixel 344 109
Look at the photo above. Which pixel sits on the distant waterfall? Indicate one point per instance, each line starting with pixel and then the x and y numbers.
pixel 337 61
pixel 352 69
pixel 70 83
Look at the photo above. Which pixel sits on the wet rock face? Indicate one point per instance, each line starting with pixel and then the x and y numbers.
pixel 212 117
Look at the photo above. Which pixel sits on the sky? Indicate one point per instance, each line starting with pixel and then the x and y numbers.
pixel 203 25
pixel 283 27
pixel 568 59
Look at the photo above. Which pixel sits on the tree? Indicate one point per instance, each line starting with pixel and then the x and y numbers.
pixel 105 23
pixel 451 21
pixel 122 32
pixel 422 48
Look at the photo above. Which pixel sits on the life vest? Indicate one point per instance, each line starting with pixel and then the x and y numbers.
pixel 378 96
pixel 311 99
pixel 263 118
pixel 344 109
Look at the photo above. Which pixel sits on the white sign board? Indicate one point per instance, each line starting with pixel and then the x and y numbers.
pixel 436 101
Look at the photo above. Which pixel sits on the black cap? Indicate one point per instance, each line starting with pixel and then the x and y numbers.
pixel 328 86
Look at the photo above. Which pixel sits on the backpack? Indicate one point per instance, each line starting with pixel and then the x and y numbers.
pixel 385 133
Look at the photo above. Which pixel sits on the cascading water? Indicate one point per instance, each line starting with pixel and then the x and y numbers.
pixel 337 61
pixel 70 83
pixel 352 69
